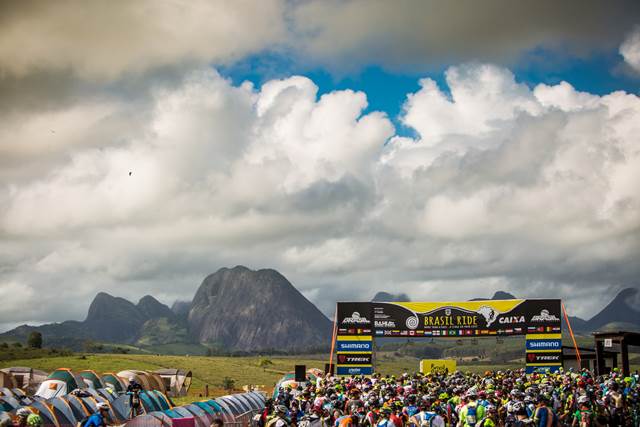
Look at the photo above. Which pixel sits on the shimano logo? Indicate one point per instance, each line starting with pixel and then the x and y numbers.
pixel 355 318
pixel 356 346
pixel 544 344
pixel 544 316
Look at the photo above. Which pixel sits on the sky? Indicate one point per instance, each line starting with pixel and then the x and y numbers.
pixel 446 150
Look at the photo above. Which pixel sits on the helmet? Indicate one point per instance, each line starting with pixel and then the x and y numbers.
pixel 102 405
pixel 281 409
pixel 34 420
pixel 23 412
pixel 517 406
pixel 583 400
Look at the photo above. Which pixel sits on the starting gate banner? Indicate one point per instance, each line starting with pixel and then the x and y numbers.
pixel 449 319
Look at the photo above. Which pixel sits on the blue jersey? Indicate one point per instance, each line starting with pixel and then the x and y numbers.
pixel 96 420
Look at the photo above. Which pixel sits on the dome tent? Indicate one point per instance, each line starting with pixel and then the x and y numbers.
pixel 91 379
pixel 60 382
pixel 176 381
pixel 114 382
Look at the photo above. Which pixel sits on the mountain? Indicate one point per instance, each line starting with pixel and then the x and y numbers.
pixel 181 309
pixel 113 320
pixel 387 297
pixel 248 310
pixel 621 310
pixel 499 295
pixel 151 308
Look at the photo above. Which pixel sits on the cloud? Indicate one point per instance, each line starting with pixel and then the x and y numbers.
pixel 98 41
pixel 414 34
pixel 532 190
pixel 630 49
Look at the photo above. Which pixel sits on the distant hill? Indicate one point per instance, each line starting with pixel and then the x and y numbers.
pixel 250 310
pixel 499 295
pixel 181 309
pixel 387 297
pixel 623 309
pixel 112 320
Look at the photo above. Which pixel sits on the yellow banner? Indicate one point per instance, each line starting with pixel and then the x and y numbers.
pixel 428 366
pixel 544 336
pixel 354 338
pixel 426 307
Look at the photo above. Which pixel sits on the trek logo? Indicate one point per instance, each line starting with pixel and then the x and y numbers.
pixel 544 316
pixel 354 359
pixel 356 319
pixel 543 357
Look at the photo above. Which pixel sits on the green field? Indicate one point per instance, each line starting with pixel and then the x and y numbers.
pixel 390 358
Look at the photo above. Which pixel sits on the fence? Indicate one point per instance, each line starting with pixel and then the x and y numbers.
pixel 243 420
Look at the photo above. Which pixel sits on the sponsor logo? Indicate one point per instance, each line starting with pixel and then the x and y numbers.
pixel 511 319
pixel 354 345
pixel 346 370
pixel 355 318
pixel 543 357
pixel 544 316
pixel 384 324
pixel 489 314
pixel 412 322
pixel 380 332
pixel 544 344
pixel 354 359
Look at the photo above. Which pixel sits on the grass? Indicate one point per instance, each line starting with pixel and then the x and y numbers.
pixel 242 370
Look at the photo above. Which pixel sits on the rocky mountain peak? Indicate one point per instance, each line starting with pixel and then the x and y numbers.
pixel 151 308
pixel 247 310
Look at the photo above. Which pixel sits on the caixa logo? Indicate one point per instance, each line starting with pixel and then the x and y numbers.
pixel 544 316
pixel 355 319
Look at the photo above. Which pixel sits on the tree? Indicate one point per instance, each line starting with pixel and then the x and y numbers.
pixel 34 340
pixel 228 384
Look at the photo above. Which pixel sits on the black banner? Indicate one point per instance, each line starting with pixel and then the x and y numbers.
pixel 354 318
pixel 450 319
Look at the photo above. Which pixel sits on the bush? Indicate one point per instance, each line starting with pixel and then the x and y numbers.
pixel 35 340
pixel 228 383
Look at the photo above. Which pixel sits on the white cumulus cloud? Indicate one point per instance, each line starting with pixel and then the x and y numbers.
pixel 630 49
pixel 532 190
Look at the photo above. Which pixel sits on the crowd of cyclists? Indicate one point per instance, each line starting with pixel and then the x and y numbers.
pixel 500 398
